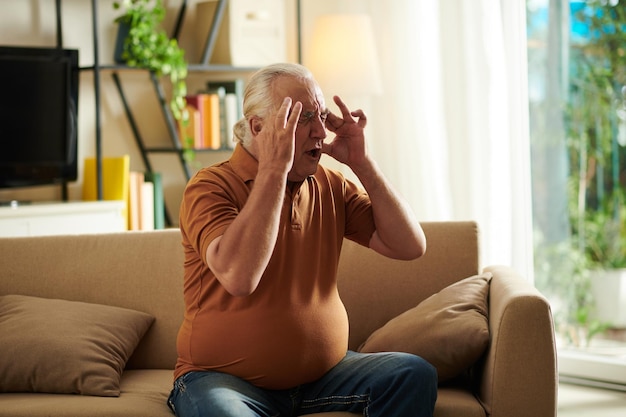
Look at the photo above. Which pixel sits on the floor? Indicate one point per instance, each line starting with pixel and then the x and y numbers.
pixel 578 401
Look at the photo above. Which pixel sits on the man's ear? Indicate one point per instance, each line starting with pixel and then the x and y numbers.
pixel 256 125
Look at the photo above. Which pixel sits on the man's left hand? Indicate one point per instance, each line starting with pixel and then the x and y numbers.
pixel 348 146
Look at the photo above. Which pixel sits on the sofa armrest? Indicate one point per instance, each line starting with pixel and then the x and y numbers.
pixel 519 373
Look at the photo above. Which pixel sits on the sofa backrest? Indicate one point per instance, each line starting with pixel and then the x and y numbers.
pixel 375 289
pixel 143 271
pixel 137 270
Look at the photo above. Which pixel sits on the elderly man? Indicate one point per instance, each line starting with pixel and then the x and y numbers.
pixel 265 332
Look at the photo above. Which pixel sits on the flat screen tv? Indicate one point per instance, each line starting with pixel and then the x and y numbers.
pixel 38 116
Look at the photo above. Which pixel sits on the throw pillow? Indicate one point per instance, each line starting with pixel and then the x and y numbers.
pixel 66 347
pixel 449 329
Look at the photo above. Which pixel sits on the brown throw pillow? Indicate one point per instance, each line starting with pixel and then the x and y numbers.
pixel 449 329
pixel 66 347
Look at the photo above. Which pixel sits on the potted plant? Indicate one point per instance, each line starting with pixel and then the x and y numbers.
pixel 606 248
pixel 143 43
pixel 596 122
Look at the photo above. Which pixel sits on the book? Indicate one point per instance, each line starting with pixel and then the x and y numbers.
pixel 146 215
pixel 221 96
pixel 134 213
pixel 141 202
pixel 190 133
pixel 115 180
pixel 210 119
pixel 235 87
pixel 230 110
pixel 159 199
pixel 231 107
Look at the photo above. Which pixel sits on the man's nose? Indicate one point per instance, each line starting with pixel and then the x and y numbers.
pixel 318 128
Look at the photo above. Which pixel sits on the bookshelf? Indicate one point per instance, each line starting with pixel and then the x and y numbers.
pixel 175 145
pixel 175 142
pixel 203 67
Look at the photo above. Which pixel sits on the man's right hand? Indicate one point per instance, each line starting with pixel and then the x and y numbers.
pixel 275 137
pixel 239 257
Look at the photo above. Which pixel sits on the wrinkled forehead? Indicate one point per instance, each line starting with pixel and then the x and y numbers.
pixel 305 90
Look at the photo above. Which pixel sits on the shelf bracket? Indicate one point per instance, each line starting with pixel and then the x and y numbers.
pixel 96 89
pixel 131 120
pixel 171 125
pixel 179 20
pixel 136 134
pixel 214 30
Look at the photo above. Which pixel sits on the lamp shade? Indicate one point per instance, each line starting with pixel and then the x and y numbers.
pixel 342 55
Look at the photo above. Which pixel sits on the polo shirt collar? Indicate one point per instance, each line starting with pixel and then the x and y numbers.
pixel 243 163
pixel 246 166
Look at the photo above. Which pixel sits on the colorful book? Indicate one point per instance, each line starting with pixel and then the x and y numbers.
pixel 134 212
pixel 146 215
pixel 211 120
pixel 159 199
pixel 190 132
pixel 221 96
pixel 231 117
pixel 115 180
pixel 231 87
pixel 232 107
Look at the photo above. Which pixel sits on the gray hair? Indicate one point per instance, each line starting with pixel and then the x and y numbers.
pixel 258 98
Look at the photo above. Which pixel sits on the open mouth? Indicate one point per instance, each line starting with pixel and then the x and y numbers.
pixel 314 153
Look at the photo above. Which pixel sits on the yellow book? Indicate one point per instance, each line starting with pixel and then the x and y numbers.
pixel 115 180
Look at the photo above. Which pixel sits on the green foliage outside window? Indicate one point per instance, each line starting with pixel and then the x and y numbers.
pixel 596 136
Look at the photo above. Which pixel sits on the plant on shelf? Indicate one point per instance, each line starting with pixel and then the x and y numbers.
pixel 146 45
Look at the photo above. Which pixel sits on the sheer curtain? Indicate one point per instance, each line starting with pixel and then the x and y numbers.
pixel 451 128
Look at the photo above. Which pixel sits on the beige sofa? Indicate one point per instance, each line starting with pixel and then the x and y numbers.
pixel 142 271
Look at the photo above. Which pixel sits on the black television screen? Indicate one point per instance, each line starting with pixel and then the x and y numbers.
pixel 38 115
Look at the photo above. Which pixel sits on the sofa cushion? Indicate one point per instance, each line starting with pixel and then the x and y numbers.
pixel 66 347
pixel 449 329
pixel 143 393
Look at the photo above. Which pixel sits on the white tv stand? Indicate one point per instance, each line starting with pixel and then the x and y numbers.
pixel 58 218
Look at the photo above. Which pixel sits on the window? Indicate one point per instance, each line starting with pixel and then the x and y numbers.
pixel 577 93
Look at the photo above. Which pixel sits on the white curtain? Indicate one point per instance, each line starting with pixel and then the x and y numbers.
pixel 451 127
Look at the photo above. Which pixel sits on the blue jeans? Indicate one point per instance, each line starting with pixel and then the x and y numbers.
pixel 374 384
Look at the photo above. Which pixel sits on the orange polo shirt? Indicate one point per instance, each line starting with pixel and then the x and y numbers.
pixel 293 328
